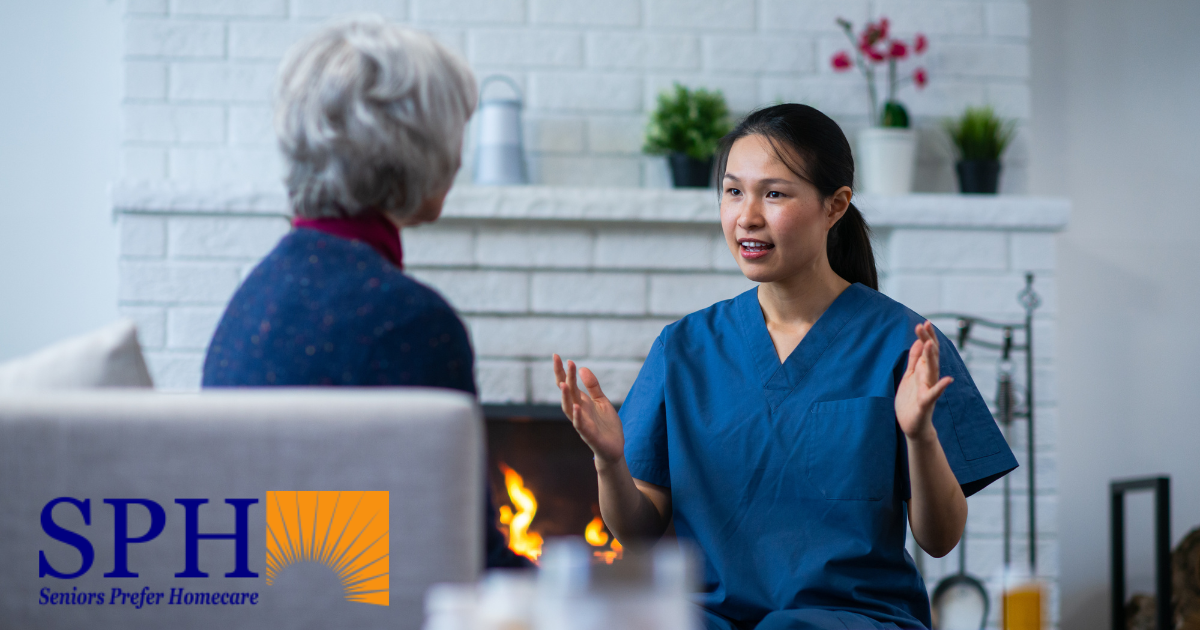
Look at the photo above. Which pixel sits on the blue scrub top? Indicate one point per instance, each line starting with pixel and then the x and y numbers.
pixel 791 478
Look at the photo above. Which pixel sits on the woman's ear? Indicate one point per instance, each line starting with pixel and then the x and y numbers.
pixel 430 208
pixel 837 203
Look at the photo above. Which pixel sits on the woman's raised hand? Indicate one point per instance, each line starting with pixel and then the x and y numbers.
pixel 920 387
pixel 592 415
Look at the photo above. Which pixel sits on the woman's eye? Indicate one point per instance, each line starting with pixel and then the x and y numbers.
pixel 733 191
pixel 774 194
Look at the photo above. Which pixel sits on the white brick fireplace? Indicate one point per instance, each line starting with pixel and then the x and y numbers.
pixel 594 274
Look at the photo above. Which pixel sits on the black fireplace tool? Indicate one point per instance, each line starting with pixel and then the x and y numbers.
pixel 1006 408
pixel 960 591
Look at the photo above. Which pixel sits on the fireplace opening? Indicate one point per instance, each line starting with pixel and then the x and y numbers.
pixel 543 480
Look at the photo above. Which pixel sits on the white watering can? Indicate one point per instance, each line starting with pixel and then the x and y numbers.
pixel 499 155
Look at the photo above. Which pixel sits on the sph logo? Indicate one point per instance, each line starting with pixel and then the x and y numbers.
pixel 346 531
pixel 158 520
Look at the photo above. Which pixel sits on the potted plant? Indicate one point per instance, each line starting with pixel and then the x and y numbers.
pixel 980 138
pixel 686 126
pixel 886 149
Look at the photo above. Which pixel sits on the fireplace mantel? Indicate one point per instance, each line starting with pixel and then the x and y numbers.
pixel 621 205
pixel 530 267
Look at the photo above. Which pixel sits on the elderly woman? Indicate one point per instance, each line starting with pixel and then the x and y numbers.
pixel 370 118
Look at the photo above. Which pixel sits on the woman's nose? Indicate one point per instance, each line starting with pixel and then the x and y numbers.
pixel 751 216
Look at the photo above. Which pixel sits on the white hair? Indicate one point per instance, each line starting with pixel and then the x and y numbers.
pixel 370 116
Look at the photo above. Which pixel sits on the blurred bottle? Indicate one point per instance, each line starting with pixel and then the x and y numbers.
pixel 646 590
pixel 503 600
pixel 506 600
pixel 451 607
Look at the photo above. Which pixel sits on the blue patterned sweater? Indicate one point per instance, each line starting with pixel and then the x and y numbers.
pixel 325 310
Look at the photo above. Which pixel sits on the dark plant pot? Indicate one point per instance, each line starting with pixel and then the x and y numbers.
pixel 688 172
pixel 978 176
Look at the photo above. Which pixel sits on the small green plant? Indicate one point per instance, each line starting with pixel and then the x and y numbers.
pixel 979 134
pixel 687 121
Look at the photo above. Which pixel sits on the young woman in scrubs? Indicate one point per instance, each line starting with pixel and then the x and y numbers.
pixel 794 431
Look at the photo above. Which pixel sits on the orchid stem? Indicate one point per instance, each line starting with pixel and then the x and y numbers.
pixel 868 73
pixel 892 79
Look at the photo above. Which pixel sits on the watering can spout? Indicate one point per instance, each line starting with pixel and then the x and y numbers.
pixel 499 154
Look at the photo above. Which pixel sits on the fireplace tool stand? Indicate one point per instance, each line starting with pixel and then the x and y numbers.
pixel 1161 487
pixel 1006 407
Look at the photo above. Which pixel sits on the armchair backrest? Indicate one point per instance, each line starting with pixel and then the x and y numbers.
pixel 109 503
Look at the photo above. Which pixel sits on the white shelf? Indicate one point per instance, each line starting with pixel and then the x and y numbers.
pixel 605 205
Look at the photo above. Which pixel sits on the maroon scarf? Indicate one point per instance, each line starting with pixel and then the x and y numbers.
pixel 374 229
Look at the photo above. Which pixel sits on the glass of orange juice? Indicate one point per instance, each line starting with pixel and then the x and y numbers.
pixel 1023 600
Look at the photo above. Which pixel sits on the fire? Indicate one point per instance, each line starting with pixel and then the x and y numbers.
pixel 596 536
pixel 522 541
pixel 529 544
pixel 594 533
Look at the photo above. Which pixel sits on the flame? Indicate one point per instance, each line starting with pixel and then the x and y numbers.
pixel 522 541
pixel 519 516
pixel 594 533
pixel 596 536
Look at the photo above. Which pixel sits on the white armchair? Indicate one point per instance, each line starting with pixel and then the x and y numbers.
pixel 102 462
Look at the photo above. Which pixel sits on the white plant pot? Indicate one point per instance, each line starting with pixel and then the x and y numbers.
pixel 886 160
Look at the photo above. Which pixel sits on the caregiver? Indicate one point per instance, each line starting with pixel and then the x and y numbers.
pixel 791 430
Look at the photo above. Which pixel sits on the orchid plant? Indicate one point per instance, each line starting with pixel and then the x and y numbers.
pixel 875 46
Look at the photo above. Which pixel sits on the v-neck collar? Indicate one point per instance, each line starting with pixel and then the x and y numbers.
pixel 779 379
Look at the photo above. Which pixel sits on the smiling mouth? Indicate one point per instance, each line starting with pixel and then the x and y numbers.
pixel 752 246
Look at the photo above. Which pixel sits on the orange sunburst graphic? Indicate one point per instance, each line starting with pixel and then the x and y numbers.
pixel 346 531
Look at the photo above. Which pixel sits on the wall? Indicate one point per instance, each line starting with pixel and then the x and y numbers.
pixel 1115 88
pixel 59 149
pixel 199 73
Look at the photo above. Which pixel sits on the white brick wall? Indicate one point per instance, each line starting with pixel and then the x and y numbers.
pixel 199 74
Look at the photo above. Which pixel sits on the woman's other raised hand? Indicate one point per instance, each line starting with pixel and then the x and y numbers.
pixel 920 387
pixel 591 413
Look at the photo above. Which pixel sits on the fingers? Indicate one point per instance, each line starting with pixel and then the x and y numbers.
pixel 926 332
pixel 932 332
pixel 937 390
pixel 576 416
pixel 572 383
pixel 560 374
pixel 568 384
pixel 927 367
pixel 561 379
pixel 591 383
pixel 914 355
pixel 931 352
pixel 927 353
pixel 584 425
pixel 566 399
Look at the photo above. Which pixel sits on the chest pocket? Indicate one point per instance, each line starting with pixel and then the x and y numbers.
pixel 850 448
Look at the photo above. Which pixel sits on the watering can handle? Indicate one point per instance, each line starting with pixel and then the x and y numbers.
pixel 483 85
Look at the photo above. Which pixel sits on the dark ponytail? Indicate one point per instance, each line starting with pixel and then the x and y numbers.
pixel 816 150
